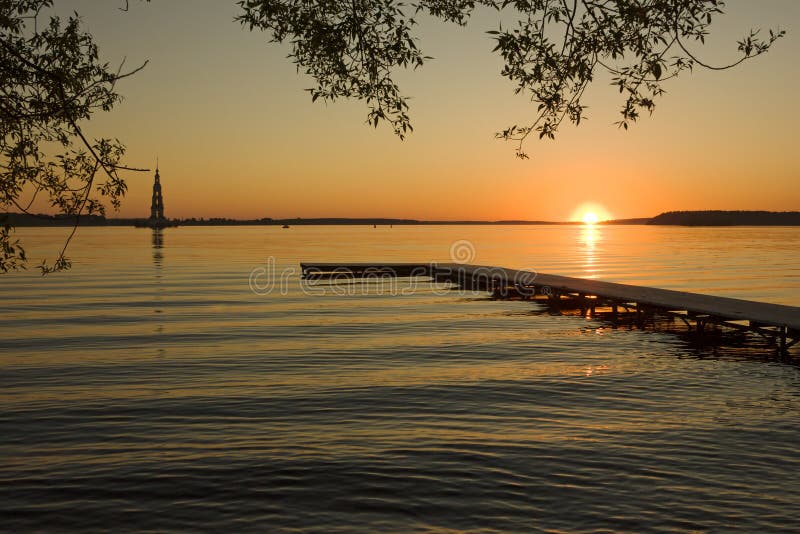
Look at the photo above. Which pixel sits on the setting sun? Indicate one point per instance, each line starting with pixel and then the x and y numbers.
pixel 590 213
pixel 590 217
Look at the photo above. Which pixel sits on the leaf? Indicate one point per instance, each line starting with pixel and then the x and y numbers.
pixel 656 70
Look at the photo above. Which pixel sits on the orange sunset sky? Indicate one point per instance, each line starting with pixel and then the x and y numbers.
pixel 236 135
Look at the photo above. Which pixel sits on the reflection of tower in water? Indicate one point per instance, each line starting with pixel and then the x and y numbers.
pixel 158 244
pixel 158 297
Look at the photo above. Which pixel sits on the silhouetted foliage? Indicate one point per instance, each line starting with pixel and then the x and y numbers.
pixel 51 80
pixel 552 51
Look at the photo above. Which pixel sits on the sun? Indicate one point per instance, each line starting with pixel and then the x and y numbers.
pixel 590 213
pixel 590 217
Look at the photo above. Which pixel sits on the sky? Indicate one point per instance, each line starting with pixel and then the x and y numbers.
pixel 237 136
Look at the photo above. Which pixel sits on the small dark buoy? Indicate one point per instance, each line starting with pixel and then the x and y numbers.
pixel 285 226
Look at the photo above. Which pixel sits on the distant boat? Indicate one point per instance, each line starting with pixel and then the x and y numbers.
pixel 285 226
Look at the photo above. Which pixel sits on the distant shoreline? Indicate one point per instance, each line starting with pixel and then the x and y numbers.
pixel 672 218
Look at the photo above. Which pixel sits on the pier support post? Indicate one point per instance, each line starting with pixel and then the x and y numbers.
pixel 783 334
pixel 614 314
pixel 554 300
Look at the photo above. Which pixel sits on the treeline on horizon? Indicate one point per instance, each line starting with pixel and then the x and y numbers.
pixel 670 218
pixel 727 218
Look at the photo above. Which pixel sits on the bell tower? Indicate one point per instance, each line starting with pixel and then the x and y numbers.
pixel 157 204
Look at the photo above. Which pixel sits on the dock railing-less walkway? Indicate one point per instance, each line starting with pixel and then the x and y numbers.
pixel 776 321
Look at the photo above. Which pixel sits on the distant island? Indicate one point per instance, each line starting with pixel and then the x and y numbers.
pixel 672 218
pixel 728 218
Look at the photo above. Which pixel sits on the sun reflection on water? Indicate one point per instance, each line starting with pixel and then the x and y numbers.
pixel 588 239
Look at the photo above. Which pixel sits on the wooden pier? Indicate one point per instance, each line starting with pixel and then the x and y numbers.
pixel 774 321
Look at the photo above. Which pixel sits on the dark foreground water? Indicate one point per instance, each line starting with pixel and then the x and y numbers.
pixel 150 388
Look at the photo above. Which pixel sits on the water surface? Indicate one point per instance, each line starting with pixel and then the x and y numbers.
pixel 149 388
